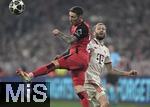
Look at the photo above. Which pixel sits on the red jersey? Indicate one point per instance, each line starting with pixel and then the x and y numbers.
pixel 81 31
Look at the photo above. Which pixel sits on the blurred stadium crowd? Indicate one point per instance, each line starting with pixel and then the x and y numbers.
pixel 26 40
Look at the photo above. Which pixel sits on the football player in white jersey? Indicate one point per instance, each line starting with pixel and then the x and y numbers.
pixel 100 57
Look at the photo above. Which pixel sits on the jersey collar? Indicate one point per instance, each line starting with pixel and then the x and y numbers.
pixel 99 42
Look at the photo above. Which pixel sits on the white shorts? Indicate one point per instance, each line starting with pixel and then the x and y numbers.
pixel 94 93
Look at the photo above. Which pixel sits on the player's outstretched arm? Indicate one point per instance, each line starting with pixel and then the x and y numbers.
pixel 68 39
pixel 119 72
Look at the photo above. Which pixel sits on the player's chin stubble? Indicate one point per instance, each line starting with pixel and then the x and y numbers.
pixel 100 37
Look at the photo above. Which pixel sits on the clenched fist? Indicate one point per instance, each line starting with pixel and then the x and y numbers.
pixel 132 73
pixel 56 32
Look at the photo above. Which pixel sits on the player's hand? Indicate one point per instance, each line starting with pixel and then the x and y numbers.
pixel 56 32
pixel 133 73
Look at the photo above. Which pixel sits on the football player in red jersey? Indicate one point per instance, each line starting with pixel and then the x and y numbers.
pixel 76 59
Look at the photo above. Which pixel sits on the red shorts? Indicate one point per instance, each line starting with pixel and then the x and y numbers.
pixel 77 63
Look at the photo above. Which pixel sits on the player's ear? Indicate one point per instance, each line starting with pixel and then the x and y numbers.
pixel 94 33
pixel 93 29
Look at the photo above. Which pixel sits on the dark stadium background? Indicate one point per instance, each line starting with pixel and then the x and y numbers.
pixel 26 40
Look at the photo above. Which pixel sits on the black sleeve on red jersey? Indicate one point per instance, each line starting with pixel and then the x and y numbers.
pixel 81 31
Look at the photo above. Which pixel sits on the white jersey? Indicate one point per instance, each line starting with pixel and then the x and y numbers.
pixel 99 56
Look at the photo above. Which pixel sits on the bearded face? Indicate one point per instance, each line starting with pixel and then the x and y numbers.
pixel 100 31
pixel 100 37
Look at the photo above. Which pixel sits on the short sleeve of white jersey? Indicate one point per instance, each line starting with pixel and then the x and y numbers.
pixel 107 59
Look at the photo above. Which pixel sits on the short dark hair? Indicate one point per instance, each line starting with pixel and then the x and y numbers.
pixel 77 9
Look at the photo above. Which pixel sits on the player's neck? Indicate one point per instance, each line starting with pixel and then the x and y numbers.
pixel 78 22
pixel 100 41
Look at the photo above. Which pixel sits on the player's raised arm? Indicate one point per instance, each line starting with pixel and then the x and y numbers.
pixel 81 32
pixel 119 72
pixel 67 38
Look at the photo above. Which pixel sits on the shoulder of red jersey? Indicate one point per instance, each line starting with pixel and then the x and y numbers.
pixel 82 31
